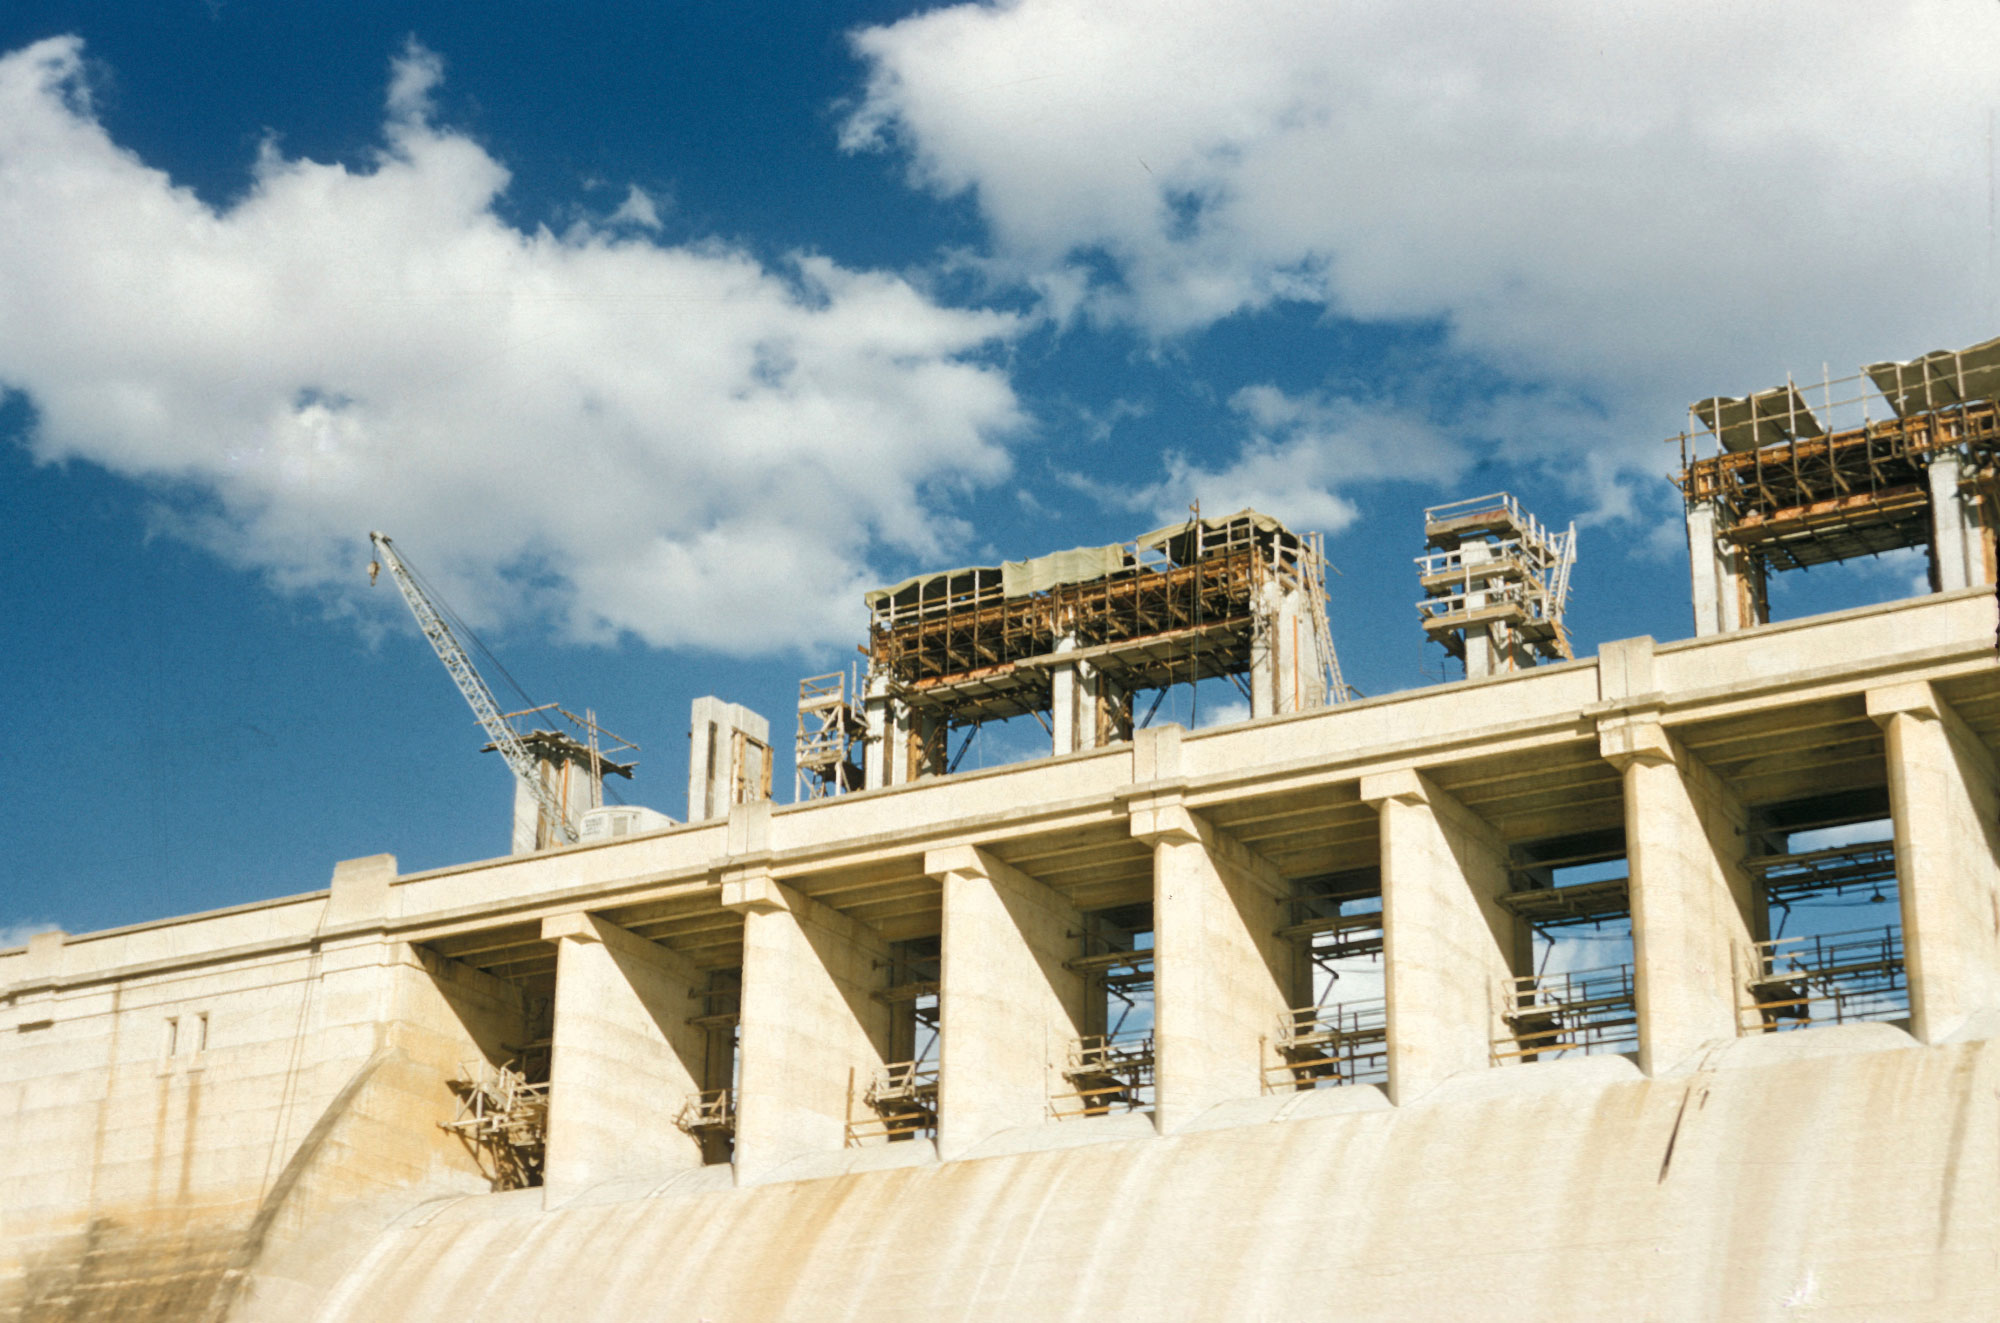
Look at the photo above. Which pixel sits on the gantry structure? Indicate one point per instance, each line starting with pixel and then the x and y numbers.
pixel 1072 639
pixel 1897 454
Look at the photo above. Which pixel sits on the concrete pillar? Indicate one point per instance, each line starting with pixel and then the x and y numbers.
pixel 1066 699
pixel 1301 671
pixel 1704 570
pixel 724 770
pixel 810 1033
pixel 624 1058
pixel 1957 543
pixel 1693 922
pixel 1221 975
pixel 1447 944
pixel 1480 655
pixel 1264 652
pixel 1009 1009
pixel 1942 797
pixel 875 752
pixel 898 737
pixel 526 836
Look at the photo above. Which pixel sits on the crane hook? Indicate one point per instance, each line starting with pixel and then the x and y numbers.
pixel 374 568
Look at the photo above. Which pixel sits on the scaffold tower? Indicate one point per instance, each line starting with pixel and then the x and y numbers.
pixel 1496 584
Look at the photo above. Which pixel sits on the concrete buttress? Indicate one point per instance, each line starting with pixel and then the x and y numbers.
pixel 623 1058
pixel 1009 1008
pixel 1943 801
pixel 1222 976
pixel 811 1033
pixel 1692 927
pixel 1446 941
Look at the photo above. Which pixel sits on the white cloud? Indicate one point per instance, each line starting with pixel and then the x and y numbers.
pixel 638 209
pixel 1646 201
pixel 677 441
pixel 1300 450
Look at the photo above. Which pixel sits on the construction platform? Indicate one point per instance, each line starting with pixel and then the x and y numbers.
pixel 1193 601
pixel 1895 455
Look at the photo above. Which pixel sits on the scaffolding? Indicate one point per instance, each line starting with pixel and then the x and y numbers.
pixel 1578 1011
pixel 898 1102
pixel 1106 1073
pixel 1188 602
pixel 1496 584
pixel 504 1120
pixel 1833 978
pixel 1798 481
pixel 1336 1044
pixel 708 1112
pixel 831 730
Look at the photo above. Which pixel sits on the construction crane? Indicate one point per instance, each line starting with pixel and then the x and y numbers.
pixel 466 676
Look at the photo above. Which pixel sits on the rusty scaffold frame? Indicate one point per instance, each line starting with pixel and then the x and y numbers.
pixel 1798 481
pixel 503 1119
pixel 1176 606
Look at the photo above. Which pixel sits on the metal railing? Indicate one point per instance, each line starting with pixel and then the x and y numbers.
pixel 900 1102
pixel 1579 1011
pixel 1344 1043
pixel 1834 978
pixel 1107 1073
pixel 711 1110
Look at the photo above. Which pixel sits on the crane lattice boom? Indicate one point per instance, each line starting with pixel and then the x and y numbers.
pixel 466 676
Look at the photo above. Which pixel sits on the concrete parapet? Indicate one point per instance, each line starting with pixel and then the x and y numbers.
pixel 1944 798
pixel 1009 1007
pixel 810 1031
pixel 362 891
pixel 623 1057
pixel 1447 944
pixel 1692 918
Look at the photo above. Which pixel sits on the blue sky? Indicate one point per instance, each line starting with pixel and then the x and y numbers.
pixel 656 333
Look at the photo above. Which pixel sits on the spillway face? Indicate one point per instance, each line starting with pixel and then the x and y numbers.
pixel 1845 1173
pixel 677 1075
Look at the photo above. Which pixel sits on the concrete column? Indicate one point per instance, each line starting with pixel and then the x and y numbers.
pixel 1009 1009
pixel 1447 944
pixel 624 1057
pixel 1704 569
pixel 1301 672
pixel 1480 655
pixel 1264 652
pixel 810 1033
pixel 899 744
pixel 1957 546
pixel 1942 797
pixel 526 836
pixel 1066 699
pixel 1221 975
pixel 875 753
pixel 1693 923
pixel 718 761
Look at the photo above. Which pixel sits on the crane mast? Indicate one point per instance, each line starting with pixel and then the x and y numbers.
pixel 466 676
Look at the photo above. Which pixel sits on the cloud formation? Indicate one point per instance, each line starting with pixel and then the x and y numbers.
pixel 1299 450
pixel 1640 203
pixel 622 435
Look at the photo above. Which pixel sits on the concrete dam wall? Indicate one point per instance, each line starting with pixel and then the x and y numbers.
pixel 1849 1178
pixel 682 1074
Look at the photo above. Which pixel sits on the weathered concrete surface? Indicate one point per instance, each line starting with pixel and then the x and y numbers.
pixel 1778 1182
pixel 1014 1007
pixel 1944 797
pixel 1446 941
pixel 1692 933
pixel 623 1049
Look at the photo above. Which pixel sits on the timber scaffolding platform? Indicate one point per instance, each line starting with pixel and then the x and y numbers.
pixel 1805 481
pixel 1180 604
